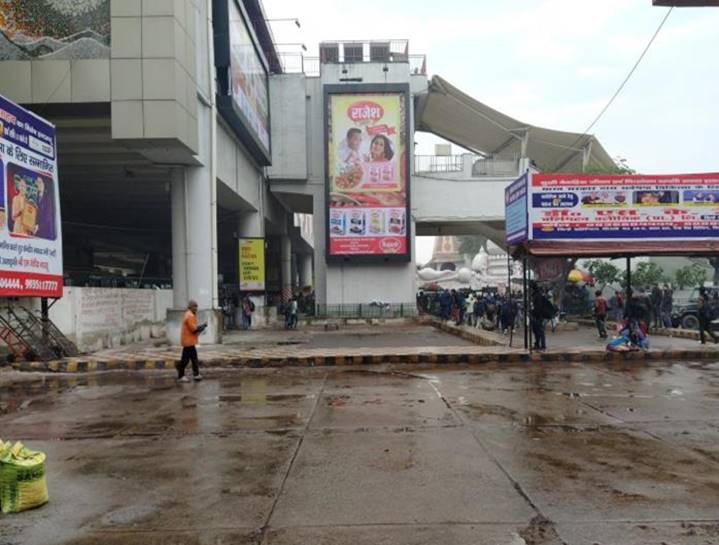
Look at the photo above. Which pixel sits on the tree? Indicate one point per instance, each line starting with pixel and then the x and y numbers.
pixel 690 276
pixel 471 244
pixel 648 274
pixel 713 263
pixel 604 272
pixel 621 167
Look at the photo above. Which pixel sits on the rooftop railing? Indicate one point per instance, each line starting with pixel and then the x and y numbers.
pixel 347 52
pixel 471 166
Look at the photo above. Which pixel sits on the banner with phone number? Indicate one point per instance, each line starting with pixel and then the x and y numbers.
pixel 600 207
pixel 30 227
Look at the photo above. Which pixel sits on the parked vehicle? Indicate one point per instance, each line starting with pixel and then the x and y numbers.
pixel 685 313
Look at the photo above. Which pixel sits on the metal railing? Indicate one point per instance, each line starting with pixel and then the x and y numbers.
pixel 366 311
pixel 438 163
pixel 348 51
pixel 89 280
pixel 418 65
pixel 297 63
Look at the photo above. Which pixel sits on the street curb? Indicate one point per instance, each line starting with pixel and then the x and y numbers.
pixel 89 365
pixel 661 331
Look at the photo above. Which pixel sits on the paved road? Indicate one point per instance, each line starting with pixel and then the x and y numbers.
pixel 625 454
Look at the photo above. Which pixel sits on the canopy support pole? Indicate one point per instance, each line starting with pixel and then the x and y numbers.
pixel 526 304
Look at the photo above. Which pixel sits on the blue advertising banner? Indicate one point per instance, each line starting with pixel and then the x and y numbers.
pixel 30 228
pixel 515 204
pixel 604 207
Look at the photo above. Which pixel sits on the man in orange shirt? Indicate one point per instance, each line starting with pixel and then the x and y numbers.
pixel 188 336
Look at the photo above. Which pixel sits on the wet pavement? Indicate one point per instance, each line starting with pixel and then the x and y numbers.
pixel 618 454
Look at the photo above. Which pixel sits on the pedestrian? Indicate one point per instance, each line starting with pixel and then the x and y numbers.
pixel 189 334
pixel 508 315
pixel 478 310
pixel 542 310
pixel 600 313
pixel 248 307
pixel 294 307
pixel 454 306
pixel 228 309
pixel 705 316
pixel 471 298
pixel 667 305
pixel 618 306
pixel 655 298
pixel 461 308
pixel 445 304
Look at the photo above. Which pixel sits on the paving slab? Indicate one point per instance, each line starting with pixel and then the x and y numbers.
pixel 454 534
pixel 641 533
pixel 380 409
pixel 609 474
pixel 384 478
pixel 156 485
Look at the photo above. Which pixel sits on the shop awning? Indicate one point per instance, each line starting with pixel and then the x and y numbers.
pixel 455 116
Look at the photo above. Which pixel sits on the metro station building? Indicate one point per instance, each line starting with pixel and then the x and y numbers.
pixel 181 130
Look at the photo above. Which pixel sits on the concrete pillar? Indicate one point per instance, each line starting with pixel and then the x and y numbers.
pixel 295 272
pixel 286 266
pixel 194 239
pixel 178 200
pixel 305 269
pixel 250 225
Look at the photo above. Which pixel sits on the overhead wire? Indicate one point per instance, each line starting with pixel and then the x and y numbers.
pixel 622 85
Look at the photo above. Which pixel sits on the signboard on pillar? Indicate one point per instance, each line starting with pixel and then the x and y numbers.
pixel 367 153
pixel 252 264
pixel 30 227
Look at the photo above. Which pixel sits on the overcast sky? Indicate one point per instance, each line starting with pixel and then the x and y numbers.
pixel 553 63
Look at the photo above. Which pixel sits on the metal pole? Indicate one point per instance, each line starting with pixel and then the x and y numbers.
pixel 509 296
pixel 526 303
pixel 629 275
pixel 44 317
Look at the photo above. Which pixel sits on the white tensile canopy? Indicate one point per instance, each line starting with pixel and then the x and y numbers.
pixel 451 114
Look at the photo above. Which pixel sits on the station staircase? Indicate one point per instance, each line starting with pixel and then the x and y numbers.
pixel 30 338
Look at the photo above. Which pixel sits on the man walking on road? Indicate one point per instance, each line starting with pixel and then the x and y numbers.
pixel 189 333
pixel 542 310
pixel 705 316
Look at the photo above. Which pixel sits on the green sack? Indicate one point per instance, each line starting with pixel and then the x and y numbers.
pixel 22 478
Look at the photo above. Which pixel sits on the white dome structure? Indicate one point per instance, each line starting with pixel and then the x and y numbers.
pixel 464 275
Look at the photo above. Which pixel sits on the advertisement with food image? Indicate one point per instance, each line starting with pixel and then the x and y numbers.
pixel 366 161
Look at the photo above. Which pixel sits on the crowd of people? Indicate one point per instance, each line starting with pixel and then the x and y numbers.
pixel 485 309
pixel 634 313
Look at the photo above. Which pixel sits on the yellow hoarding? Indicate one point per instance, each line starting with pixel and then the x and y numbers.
pixel 252 264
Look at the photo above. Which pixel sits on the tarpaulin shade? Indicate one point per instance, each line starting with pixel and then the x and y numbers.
pixel 448 112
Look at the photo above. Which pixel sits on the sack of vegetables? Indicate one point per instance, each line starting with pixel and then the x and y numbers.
pixel 22 478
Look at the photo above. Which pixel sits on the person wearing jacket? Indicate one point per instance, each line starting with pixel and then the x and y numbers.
pixel 189 334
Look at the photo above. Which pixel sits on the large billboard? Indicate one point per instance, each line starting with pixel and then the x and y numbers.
pixel 599 207
pixel 252 264
pixel 54 29
pixel 242 77
pixel 30 228
pixel 515 202
pixel 367 166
